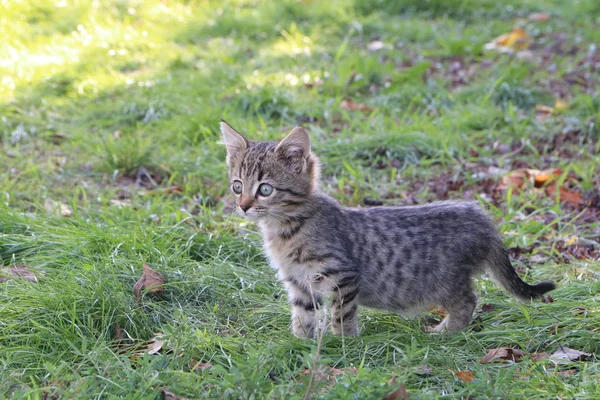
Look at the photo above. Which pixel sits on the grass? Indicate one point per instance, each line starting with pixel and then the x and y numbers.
pixel 112 108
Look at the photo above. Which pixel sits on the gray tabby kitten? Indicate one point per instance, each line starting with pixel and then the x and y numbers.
pixel 390 258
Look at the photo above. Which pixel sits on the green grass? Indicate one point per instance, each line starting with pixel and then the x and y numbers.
pixel 107 106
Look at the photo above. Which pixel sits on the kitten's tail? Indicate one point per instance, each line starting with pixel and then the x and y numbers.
pixel 503 272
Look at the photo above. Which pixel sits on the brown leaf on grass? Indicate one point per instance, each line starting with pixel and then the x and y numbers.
pixel 197 365
pixel 155 344
pixel 515 180
pixel 543 109
pixel 58 137
pixel 465 375
pixel 120 202
pixel 521 178
pixel 58 208
pixel 151 280
pixel 20 272
pixel 349 105
pixel 399 394
pixel 573 249
pixel 540 178
pixel 540 356
pixel 118 333
pixel 424 370
pixel 503 353
pixel 548 299
pixel 581 311
pixel 487 307
pixel 560 104
pixel 543 113
pixel 517 40
pixel 565 194
pixel 152 346
pixel 477 324
pixel 539 17
pixel 566 354
pixel 167 395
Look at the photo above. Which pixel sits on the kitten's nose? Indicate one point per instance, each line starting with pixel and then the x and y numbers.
pixel 245 206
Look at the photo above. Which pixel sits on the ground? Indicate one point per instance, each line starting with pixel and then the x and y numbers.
pixel 110 160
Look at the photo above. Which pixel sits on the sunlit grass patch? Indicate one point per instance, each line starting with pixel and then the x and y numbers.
pixel 110 110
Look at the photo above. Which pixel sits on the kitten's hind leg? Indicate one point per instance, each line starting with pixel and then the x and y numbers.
pixel 460 313
pixel 439 328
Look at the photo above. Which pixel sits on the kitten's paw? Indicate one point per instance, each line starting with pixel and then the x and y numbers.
pixel 303 330
pixel 439 328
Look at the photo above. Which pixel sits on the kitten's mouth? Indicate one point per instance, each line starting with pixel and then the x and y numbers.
pixel 253 215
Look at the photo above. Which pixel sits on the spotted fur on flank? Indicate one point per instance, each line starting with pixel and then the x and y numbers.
pixel 389 258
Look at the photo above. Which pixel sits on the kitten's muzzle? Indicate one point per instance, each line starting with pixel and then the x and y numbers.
pixel 245 206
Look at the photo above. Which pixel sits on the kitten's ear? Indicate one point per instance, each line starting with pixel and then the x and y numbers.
pixel 233 140
pixel 295 148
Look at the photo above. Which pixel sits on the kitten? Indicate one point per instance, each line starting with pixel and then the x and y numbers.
pixel 390 258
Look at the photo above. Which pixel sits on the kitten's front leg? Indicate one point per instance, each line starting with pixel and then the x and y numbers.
pixel 305 302
pixel 344 308
pixel 303 319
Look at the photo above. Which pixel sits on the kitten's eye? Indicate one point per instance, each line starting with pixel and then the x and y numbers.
pixel 237 187
pixel 265 189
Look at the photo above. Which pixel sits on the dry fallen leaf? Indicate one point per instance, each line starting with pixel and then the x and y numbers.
pixel 58 208
pixel 424 370
pixel 118 333
pixel 465 375
pixel 151 280
pixel 516 40
pixel 544 109
pixel 565 194
pixel 167 395
pixel 120 202
pixel 548 299
pixel 540 356
pixel 197 365
pixel 19 271
pixel 560 104
pixel 518 178
pixel 570 196
pixel 539 17
pixel 399 394
pixel 515 180
pixel 542 112
pixel 152 346
pixel 541 177
pixel 487 307
pixel 566 354
pixel 503 353
pixel 349 105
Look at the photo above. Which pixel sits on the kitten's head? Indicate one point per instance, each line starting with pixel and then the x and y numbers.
pixel 270 180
